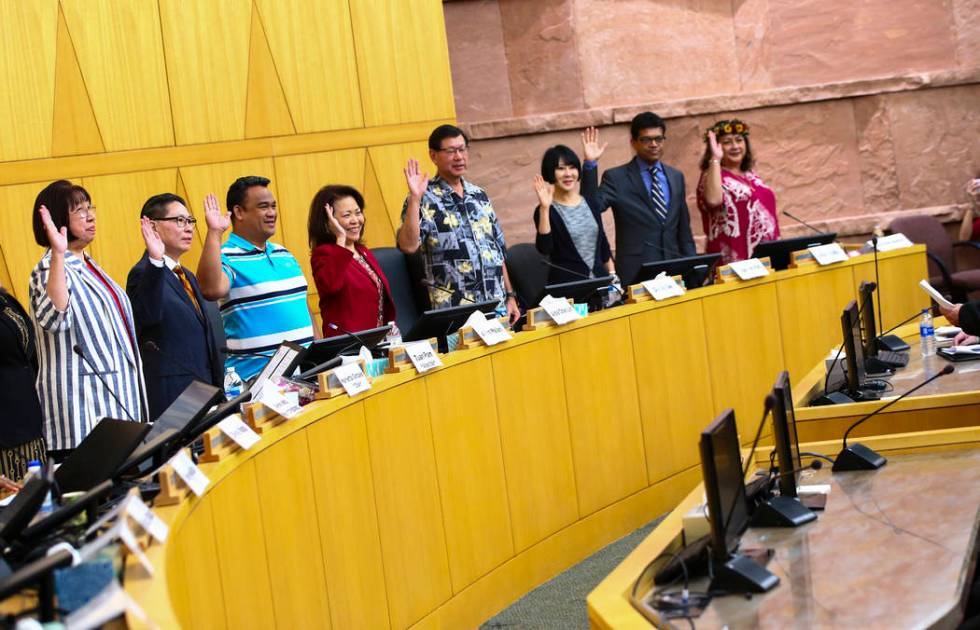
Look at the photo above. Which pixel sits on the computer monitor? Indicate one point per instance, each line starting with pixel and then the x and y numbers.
pixel 442 322
pixel 322 350
pixel 869 330
pixel 785 436
pixel 724 485
pixel 695 270
pixel 25 504
pixel 780 252
pixel 100 454
pixel 851 330
pixel 586 290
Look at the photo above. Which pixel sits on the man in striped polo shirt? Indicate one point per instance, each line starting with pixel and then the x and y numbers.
pixel 258 284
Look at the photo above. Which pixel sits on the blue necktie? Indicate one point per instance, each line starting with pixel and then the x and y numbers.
pixel 659 205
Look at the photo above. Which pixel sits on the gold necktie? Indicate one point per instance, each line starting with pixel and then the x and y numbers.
pixel 187 287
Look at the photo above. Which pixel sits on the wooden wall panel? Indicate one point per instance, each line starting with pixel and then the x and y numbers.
pixel 388 163
pixel 120 52
pixel 74 130
pixel 20 253
pixel 898 306
pixel 195 553
pixel 27 63
pixel 266 111
pixel 206 45
pixel 199 181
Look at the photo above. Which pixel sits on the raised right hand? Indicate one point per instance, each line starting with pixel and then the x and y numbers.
pixel 591 149
pixel 417 181
pixel 545 192
pixel 57 239
pixel 716 151
pixel 338 231
pixel 213 217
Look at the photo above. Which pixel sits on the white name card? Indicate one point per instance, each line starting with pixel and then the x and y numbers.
pixel 144 516
pixel 893 242
pixel 828 254
pixel 559 310
pixel 422 356
pixel 491 331
pixel 238 431
pixel 271 397
pixel 121 529
pixel 352 378
pixel 663 287
pixel 187 470
pixel 749 269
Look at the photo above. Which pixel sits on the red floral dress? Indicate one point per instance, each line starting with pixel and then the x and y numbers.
pixel 745 218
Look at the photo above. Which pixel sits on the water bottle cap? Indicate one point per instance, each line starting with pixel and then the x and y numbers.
pixel 229 369
pixel 924 311
pixel 34 463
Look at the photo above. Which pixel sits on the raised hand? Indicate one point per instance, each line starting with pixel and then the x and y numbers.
pixel 154 244
pixel 545 192
pixel 216 220
pixel 590 144
pixel 417 181
pixel 57 239
pixel 716 151
pixel 338 230
pixel 973 188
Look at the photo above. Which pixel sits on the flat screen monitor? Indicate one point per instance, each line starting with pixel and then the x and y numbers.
pixel 695 270
pixel 25 504
pixel 100 454
pixel 869 328
pixel 445 321
pixel 785 436
pixel 724 485
pixel 322 350
pixel 780 252
pixel 850 324
pixel 579 290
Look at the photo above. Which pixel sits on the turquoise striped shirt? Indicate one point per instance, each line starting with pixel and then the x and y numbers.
pixel 266 303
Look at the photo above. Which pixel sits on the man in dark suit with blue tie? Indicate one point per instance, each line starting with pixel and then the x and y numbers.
pixel 648 201
pixel 180 333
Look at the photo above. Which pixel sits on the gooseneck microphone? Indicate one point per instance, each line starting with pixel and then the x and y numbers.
pixel 901 323
pixel 814 465
pixel 803 223
pixel 245 353
pixel 78 350
pixel 360 340
pixel 432 285
pixel 860 457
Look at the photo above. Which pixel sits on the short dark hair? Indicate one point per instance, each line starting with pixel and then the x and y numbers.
pixel 239 190
pixel 555 155
pixel 748 160
pixel 59 198
pixel 156 206
pixel 318 225
pixel 646 120
pixel 442 132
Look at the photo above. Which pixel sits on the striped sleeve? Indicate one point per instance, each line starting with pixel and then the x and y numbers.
pixel 48 317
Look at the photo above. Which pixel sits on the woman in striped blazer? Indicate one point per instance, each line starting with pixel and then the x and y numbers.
pixel 84 326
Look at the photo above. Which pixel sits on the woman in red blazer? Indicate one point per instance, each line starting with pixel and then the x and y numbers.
pixel 354 293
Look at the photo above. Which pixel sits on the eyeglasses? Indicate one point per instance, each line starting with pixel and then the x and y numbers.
pixel 83 212
pixel 454 151
pixel 181 221
pixel 648 140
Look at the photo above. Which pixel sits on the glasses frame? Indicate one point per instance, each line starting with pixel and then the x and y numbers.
pixel 180 220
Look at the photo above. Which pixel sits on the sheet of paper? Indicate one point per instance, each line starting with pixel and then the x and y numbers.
pixel 238 431
pixel 828 254
pixel 187 470
pixel 935 295
pixel 559 310
pixel 893 242
pixel 491 331
pixel 271 397
pixel 663 287
pixel 352 378
pixel 749 269
pixel 150 522
pixel 422 356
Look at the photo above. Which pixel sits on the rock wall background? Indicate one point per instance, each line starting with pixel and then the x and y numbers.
pixel 859 111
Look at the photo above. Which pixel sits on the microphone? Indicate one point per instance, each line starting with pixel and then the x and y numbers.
pixel 673 252
pixel 860 457
pixel 360 340
pixel 432 285
pixel 78 350
pixel 803 223
pixel 901 323
pixel 581 275
pixel 245 353
pixel 814 465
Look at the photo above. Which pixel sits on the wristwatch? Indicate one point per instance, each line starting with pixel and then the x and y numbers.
pixel 510 294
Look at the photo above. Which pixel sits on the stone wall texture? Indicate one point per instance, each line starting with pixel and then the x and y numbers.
pixel 859 110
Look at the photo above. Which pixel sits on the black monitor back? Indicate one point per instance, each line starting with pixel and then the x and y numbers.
pixel 851 331
pixel 100 454
pixel 724 484
pixel 785 436
pixel 18 514
pixel 445 321
pixel 780 251
pixel 322 350
pixel 869 327
pixel 695 270
pixel 579 290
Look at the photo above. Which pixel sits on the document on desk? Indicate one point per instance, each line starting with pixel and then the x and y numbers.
pixel 491 331
pixel 749 269
pixel 892 242
pixel 663 287
pixel 559 310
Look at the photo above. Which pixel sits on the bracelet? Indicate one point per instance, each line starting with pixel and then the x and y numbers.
pixel 716 161
pixel 510 294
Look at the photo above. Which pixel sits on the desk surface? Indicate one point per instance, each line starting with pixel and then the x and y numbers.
pixel 894 545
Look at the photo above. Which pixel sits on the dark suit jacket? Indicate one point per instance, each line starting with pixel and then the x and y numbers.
pixel 187 343
pixel 970 318
pixel 20 408
pixel 640 235
pixel 558 243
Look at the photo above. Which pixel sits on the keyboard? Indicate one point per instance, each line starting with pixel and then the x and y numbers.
pixel 894 359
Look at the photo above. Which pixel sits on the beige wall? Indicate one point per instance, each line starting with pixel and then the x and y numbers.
pixel 858 110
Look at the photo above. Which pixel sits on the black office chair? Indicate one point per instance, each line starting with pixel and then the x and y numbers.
pixel 943 274
pixel 528 273
pixel 405 286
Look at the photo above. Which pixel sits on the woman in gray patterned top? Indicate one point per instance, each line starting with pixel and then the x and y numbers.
pixel 570 232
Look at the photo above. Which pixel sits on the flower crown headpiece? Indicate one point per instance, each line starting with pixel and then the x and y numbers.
pixel 728 126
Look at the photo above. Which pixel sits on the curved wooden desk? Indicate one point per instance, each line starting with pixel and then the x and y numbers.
pixel 436 500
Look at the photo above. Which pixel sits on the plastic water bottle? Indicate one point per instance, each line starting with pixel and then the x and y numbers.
pixel 233 383
pixel 927 334
pixel 34 470
pixel 394 336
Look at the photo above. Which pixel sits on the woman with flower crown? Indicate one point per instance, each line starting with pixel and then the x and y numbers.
pixel 738 211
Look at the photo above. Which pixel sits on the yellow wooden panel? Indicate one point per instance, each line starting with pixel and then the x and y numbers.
pixel 313 48
pixel 118 241
pixel 810 306
pixel 345 504
pixel 207 47
pixel 462 407
pixel 402 61
pixel 901 296
pixel 19 249
pixel 298 178
pixel 537 450
pixel 241 551
pixel 193 256
pixel 603 414
pixel 413 539
pixel 675 395
pixel 27 65
pixel 292 534
pixel 74 129
pixel 388 163
pixel 4 273
pixel 745 352
pixel 129 93
pixel 199 181
pixel 196 572
pixel 375 209
pixel 266 112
